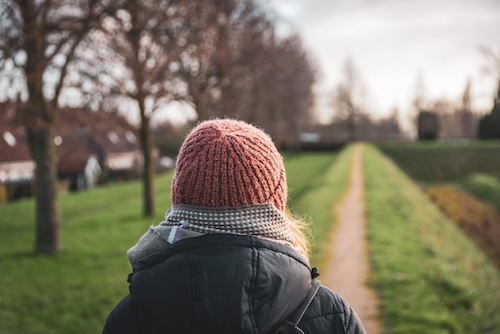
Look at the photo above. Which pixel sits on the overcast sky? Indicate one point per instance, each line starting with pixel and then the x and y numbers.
pixel 393 42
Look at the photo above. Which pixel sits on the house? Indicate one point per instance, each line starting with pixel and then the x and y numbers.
pixel 91 147
pixel 108 137
pixel 17 169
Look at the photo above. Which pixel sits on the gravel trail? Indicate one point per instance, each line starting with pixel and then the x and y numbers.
pixel 348 267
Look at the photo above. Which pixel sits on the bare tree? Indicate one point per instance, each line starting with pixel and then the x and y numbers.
pixel 492 57
pixel 208 54
pixel 283 95
pixel 489 124
pixel 40 38
pixel 249 40
pixel 139 55
pixel 349 96
pixel 143 41
pixel 389 128
pixel 234 65
pixel 298 84
pixel 419 100
pixel 467 119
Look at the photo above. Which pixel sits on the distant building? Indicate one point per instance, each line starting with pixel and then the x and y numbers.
pixel 92 147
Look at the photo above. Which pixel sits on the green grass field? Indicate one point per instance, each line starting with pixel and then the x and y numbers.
pixel 430 276
pixel 73 292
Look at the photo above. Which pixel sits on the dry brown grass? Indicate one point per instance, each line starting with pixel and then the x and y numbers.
pixel 480 221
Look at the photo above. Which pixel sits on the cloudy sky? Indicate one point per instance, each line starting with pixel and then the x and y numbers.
pixel 394 42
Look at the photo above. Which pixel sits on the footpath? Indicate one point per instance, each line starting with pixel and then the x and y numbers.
pixel 348 267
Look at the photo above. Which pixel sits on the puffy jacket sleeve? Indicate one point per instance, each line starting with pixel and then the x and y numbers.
pixel 128 317
pixel 330 313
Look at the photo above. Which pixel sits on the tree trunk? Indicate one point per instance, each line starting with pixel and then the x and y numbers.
pixel 149 167
pixel 201 109
pixel 39 120
pixel 48 218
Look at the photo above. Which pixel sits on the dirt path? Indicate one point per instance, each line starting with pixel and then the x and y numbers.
pixel 348 266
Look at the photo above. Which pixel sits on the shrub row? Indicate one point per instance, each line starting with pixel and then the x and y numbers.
pixel 441 162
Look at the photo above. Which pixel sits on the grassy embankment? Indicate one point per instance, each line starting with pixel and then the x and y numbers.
pixel 73 292
pixel 431 278
pixel 473 168
pixel 316 196
pixel 463 180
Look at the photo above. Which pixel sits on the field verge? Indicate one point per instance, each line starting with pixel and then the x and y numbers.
pixel 317 204
pixel 430 277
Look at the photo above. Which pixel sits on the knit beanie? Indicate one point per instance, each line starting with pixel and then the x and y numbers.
pixel 228 163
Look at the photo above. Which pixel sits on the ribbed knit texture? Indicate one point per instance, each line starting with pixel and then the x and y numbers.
pixel 229 163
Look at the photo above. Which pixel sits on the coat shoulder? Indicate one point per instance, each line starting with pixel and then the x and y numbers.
pixel 330 313
pixel 128 318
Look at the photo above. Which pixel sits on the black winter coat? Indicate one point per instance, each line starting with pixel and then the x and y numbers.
pixel 222 283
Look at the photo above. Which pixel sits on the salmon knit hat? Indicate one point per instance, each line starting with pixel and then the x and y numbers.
pixel 228 163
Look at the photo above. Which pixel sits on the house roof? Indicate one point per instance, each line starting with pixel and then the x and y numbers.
pixel 79 134
pixel 110 131
pixel 73 164
pixel 13 144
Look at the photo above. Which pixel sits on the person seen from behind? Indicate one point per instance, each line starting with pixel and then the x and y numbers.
pixel 228 258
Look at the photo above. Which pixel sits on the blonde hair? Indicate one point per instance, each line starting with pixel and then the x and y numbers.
pixel 300 229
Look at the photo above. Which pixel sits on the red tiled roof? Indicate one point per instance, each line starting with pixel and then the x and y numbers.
pixel 17 149
pixel 73 164
pixel 81 133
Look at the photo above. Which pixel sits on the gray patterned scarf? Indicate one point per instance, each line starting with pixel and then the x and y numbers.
pixel 187 221
pixel 263 221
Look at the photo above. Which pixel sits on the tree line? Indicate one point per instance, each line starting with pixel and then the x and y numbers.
pixel 433 119
pixel 224 57
pixel 444 119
